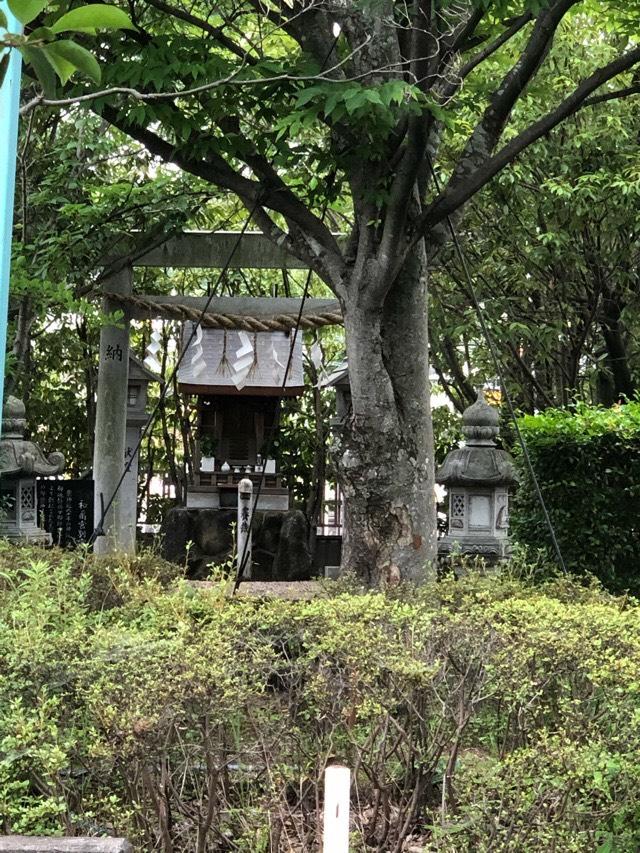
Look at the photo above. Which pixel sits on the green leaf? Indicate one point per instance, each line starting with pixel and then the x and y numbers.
pixel 373 97
pixel 308 94
pixel 26 10
pixel 42 67
pixel 41 34
pixel 63 68
pixel 3 20
pixel 354 100
pixel 607 845
pixel 89 19
pixel 77 56
pixel 332 102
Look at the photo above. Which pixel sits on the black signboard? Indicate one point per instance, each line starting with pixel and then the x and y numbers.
pixel 65 510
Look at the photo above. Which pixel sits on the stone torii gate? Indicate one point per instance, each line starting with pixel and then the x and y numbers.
pixel 198 249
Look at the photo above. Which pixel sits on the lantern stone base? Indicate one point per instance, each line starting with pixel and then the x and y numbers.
pixel 490 547
pixel 18 512
pixel 28 535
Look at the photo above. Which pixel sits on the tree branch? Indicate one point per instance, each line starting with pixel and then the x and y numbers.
pixel 455 196
pixel 216 170
pixel 399 203
pixel 329 76
pixel 612 96
pixel 495 45
pixel 424 54
pixel 530 375
pixel 403 194
pixel 312 29
pixel 323 267
pixel 465 388
pixel 216 32
pixel 489 130
pixel 452 393
pixel 466 29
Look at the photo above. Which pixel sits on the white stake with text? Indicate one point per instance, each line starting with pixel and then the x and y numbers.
pixel 243 532
pixel 337 795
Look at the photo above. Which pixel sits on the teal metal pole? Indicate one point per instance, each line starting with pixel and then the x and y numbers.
pixel 9 112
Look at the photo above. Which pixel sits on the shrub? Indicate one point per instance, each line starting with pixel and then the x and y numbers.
pixel 588 466
pixel 477 715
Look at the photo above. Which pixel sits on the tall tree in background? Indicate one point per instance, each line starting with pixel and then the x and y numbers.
pixel 555 249
pixel 293 105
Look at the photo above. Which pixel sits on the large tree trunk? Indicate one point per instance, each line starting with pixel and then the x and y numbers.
pixel 386 451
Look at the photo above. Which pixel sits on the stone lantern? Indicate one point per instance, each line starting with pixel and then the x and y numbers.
pixel 478 476
pixel 20 462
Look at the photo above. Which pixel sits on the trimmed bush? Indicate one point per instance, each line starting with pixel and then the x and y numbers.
pixel 477 715
pixel 588 466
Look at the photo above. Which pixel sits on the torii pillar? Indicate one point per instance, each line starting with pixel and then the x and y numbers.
pixel 111 422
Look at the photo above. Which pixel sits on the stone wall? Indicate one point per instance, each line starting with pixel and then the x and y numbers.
pixel 280 549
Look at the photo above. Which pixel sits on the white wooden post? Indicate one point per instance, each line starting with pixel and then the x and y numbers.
pixel 243 532
pixel 337 796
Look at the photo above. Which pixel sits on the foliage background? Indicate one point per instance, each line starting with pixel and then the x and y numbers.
pixel 588 465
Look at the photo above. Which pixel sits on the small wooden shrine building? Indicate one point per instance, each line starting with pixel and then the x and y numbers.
pixel 237 378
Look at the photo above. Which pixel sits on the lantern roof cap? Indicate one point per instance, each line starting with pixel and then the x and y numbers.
pixel 479 462
pixel 477 466
pixel 138 371
pixel 480 421
pixel 17 455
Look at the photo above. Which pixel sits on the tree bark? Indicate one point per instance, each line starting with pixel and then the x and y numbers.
pixel 617 356
pixel 385 455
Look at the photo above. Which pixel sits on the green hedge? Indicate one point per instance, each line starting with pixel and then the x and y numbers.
pixel 588 466
pixel 479 715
